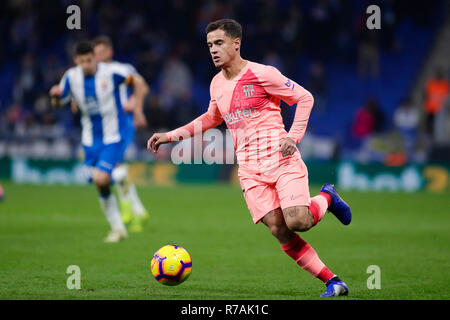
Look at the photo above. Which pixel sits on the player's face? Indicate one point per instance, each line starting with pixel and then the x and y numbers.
pixel 222 48
pixel 103 53
pixel 87 63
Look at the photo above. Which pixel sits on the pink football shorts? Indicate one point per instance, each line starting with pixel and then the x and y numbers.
pixel 284 186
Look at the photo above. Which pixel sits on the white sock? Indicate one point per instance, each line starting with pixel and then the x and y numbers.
pixel 112 213
pixel 137 206
pixel 119 175
pixel 126 190
pixel 123 191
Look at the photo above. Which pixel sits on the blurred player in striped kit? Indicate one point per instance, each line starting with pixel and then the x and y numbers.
pixel 96 88
pixel 132 97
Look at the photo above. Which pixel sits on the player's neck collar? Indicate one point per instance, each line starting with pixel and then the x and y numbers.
pixel 243 66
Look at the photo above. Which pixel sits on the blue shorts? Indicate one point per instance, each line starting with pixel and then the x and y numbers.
pixel 104 157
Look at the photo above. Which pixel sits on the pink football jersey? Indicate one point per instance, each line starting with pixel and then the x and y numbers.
pixel 250 105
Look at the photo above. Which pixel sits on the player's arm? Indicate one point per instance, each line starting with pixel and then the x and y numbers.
pixel 124 74
pixel 136 102
pixel 74 106
pixel 210 119
pixel 55 96
pixel 290 92
pixel 302 113
pixel 60 93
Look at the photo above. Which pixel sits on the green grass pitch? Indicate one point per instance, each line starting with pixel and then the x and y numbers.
pixel 44 229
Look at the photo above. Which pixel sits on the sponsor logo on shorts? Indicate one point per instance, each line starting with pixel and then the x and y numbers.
pixel 295 197
pixel 105 164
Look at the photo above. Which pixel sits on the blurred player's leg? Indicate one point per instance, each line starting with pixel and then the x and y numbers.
pixel 131 206
pixel 119 176
pixel 110 207
pixel 302 253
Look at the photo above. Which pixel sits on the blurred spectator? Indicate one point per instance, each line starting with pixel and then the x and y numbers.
pixel 291 28
pixel 34 53
pixel 322 24
pixel 369 119
pixel 51 69
pixel 176 86
pixel 442 125
pixel 29 81
pixel 317 85
pixel 436 93
pixel 406 120
pixel 368 53
pixel 154 113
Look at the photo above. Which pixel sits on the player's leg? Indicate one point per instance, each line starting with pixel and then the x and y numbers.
pixel 264 205
pixel 132 209
pixel 120 178
pixel 302 218
pixel 130 203
pixel 295 247
pixel 108 158
pixel 109 205
pixel 301 252
pixel 300 212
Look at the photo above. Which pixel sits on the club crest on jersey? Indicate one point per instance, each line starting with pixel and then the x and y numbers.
pixel 248 90
pixel 104 85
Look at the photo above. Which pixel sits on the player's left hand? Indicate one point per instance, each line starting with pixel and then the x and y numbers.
pixel 130 105
pixel 287 147
pixel 139 119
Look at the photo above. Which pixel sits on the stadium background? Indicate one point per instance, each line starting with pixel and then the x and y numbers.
pixel 323 45
pixel 368 131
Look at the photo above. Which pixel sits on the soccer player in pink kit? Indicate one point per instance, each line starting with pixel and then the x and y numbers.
pixel 272 174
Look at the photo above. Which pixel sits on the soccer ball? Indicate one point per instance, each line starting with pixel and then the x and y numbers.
pixel 171 265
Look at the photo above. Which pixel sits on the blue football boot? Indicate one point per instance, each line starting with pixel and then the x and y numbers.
pixel 338 207
pixel 335 287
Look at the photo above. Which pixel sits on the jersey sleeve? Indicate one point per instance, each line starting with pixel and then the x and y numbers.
pixel 210 119
pixel 131 68
pixel 122 74
pixel 277 85
pixel 64 84
pixel 290 92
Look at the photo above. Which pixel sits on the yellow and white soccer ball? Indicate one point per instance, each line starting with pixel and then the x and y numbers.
pixel 171 265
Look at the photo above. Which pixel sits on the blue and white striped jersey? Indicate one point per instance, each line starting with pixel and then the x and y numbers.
pixel 100 98
pixel 125 93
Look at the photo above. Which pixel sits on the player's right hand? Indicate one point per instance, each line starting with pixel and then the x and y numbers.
pixel 156 140
pixel 55 91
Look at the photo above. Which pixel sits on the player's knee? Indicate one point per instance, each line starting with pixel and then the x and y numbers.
pixel 120 173
pixel 298 219
pixel 101 179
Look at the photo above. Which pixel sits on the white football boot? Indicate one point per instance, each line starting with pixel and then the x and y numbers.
pixel 115 235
